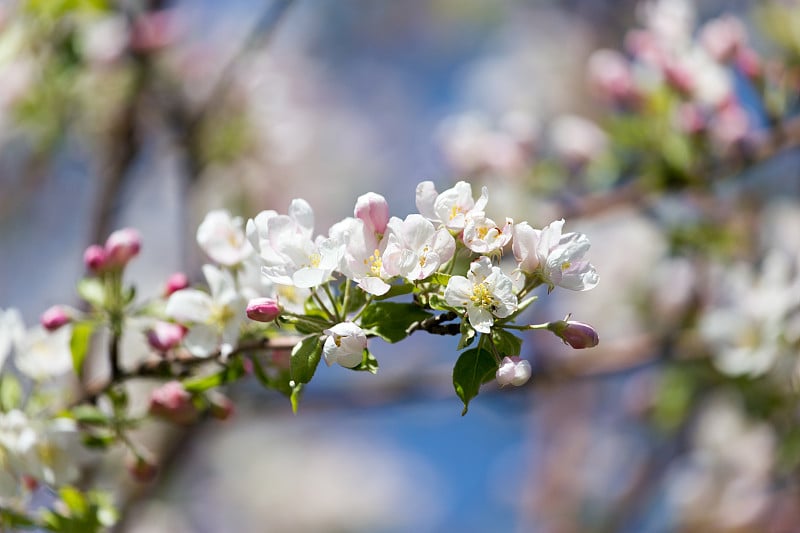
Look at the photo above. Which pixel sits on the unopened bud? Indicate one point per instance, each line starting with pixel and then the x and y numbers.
pixel 141 469
pixel 373 209
pixel 164 336
pixel 174 403
pixel 576 334
pixel 29 482
pixel 122 246
pixel 263 309
pixel 176 282
pixel 513 371
pixel 95 258
pixel 54 318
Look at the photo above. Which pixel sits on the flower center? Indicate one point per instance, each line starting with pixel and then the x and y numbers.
pixel 482 296
pixel 221 315
pixel 482 231
pixel 565 265
pixel 423 258
pixel 455 211
pixel 375 263
pixel 314 260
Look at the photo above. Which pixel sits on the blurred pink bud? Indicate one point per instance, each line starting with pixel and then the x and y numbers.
pixel 749 63
pixel 576 334
pixel 95 258
pixel 176 282
pixel 678 77
pixel 513 371
pixel 610 74
pixel 722 37
pixel 141 469
pixel 263 309
pixel 222 407
pixel 54 318
pixel 373 209
pixel 29 482
pixel 172 402
pixel 164 336
pixel 122 246
pixel 154 30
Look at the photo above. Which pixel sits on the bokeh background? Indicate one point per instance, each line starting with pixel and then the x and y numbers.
pixel 682 170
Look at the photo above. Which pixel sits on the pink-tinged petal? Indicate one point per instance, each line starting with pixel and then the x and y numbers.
pixel 374 286
pixel 373 209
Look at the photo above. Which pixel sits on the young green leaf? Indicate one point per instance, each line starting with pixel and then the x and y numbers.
pixel 79 344
pixel 10 392
pixel 506 342
pixel 305 358
pixel 390 320
pixel 230 373
pixel 92 290
pixel 368 364
pixel 473 368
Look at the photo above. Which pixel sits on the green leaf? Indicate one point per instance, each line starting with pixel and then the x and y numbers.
pixel 356 299
pixel 90 415
pixel 92 290
pixel 396 290
pixel 74 500
pixel 99 442
pixel 79 344
pixel 128 295
pixel 230 373
pixel 10 392
pixel 12 519
pixel 473 368
pixel 390 320
pixel 436 301
pixel 440 278
pixel 506 342
pixel 305 358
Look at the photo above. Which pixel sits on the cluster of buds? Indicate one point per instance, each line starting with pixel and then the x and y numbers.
pixel 120 247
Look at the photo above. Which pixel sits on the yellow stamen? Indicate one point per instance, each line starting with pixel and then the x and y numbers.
pixel 482 296
pixel 375 263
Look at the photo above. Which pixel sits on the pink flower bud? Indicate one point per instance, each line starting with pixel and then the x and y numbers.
pixel 54 318
pixel 141 469
pixel 164 336
pixel 263 309
pixel 513 371
pixel 374 211
pixel 122 246
pixel 222 407
pixel 576 334
pixel 176 282
pixel 722 37
pixel 749 63
pixel 172 402
pixel 29 482
pixel 95 258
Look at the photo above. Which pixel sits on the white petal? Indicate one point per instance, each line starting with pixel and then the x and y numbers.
pixel 202 340
pixel 480 319
pixel 189 305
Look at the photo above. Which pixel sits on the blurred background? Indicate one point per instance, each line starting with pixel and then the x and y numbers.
pixel 664 130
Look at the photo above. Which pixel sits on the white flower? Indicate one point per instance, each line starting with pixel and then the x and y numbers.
pixel 222 238
pixel 284 243
pixel 362 260
pixel 557 258
pixel 486 292
pixel 215 319
pixel 44 355
pixel 452 206
pixel 415 248
pixel 483 236
pixel 345 345
pixel 513 371
pixel 12 330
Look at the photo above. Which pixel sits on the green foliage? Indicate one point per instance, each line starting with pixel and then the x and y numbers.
pixel 473 368
pixel 391 320
pixel 10 392
pixel 305 358
pixel 79 344
pixel 83 513
pixel 231 372
pixel 368 363
pixel 506 342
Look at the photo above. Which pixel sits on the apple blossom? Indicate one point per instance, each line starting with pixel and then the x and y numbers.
pixel 44 355
pixel 452 206
pixel 222 237
pixel 214 319
pixel 345 345
pixel 373 209
pixel 415 249
pixel 513 371
pixel 486 293
pixel 557 259
pixel 483 236
pixel 362 259
pixel 290 255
